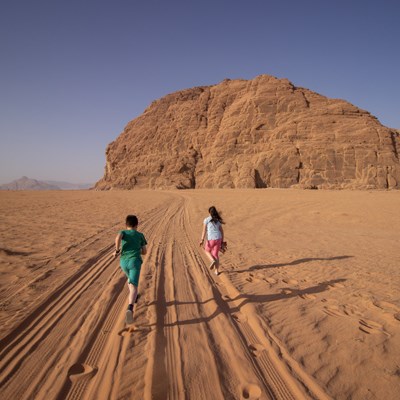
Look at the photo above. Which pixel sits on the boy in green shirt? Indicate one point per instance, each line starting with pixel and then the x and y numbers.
pixel 132 245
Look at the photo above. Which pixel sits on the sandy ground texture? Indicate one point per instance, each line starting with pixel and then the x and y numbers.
pixel 307 305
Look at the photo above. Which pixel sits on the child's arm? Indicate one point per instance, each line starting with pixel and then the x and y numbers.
pixel 203 234
pixel 118 239
pixel 143 250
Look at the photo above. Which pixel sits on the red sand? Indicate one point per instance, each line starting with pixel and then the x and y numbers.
pixel 307 306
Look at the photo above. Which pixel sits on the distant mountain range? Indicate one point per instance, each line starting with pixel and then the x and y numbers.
pixel 26 183
pixel 70 186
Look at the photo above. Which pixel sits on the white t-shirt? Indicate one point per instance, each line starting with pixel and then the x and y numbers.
pixel 213 232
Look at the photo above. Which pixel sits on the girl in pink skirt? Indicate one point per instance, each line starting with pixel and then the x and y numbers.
pixel 212 225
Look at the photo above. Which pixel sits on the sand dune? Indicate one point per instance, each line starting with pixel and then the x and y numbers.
pixel 307 306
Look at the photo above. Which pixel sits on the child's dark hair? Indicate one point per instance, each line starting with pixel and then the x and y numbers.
pixel 131 221
pixel 215 215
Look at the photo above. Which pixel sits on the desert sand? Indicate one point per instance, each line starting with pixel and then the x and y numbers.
pixel 307 305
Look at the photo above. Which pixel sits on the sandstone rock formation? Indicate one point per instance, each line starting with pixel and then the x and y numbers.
pixel 26 183
pixel 259 133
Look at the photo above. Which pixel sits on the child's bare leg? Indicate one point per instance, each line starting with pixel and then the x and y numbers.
pixel 211 258
pixel 132 293
pixel 217 266
pixel 131 299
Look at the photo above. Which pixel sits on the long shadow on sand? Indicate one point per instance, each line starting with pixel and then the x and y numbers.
pixel 243 299
pixel 294 262
pixel 9 252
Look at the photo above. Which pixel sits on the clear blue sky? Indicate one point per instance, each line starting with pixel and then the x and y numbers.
pixel 73 73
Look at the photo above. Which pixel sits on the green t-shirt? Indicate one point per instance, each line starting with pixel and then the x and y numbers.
pixel 132 243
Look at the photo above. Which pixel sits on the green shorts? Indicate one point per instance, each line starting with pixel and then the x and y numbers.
pixel 131 267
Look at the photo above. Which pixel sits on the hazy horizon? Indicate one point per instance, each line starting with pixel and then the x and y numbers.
pixel 74 74
pixel 53 181
pixel 49 181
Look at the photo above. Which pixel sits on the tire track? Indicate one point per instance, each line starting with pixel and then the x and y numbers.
pixel 164 355
pixel 231 366
pixel 194 319
pixel 176 389
pixel 41 336
pixel 186 338
pixel 10 292
pixel 94 348
pixel 277 380
pixel 208 335
pixel 46 315
pixel 99 345
pixel 179 275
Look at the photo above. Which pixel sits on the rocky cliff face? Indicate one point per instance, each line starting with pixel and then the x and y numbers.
pixel 253 134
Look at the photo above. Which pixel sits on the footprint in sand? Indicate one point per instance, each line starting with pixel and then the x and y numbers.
pixel 148 284
pixel 371 327
pixel 4 305
pixel 127 331
pixel 333 311
pixel 308 296
pixel 325 300
pixel 259 275
pixel 150 313
pixel 384 305
pixel 239 317
pixel 351 309
pixel 290 281
pixel 251 391
pixel 335 286
pixel 255 277
pixel 272 281
pixel 256 349
pixel 81 371
pixel 388 308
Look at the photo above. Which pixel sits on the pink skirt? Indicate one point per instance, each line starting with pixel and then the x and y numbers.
pixel 213 247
